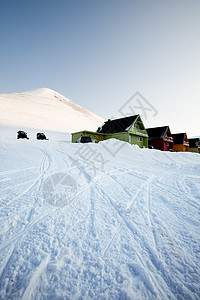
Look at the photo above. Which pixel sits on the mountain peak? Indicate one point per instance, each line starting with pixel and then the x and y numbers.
pixel 46 109
pixel 43 92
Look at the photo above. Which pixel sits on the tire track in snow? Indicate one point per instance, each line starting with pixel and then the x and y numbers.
pixel 146 186
pixel 42 171
pixel 38 180
pixel 82 170
pixel 129 205
pixel 164 272
pixel 158 265
pixel 18 239
pixel 179 186
pixel 149 216
pixel 134 232
pixel 18 236
pixel 30 289
pixel 182 186
pixel 16 171
pixel 95 184
pixel 17 184
pixel 193 202
pixel 109 245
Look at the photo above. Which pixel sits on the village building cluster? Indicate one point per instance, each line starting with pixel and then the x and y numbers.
pixel 131 129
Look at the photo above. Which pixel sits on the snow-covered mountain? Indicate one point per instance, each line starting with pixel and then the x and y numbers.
pixel 45 109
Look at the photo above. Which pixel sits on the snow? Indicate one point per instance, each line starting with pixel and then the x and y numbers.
pixel 45 109
pixel 122 222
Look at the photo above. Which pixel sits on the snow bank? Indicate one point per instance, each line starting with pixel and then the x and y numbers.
pixel 97 221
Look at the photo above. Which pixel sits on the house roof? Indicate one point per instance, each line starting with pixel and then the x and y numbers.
pixel 179 138
pixel 157 133
pixel 117 125
pixel 194 142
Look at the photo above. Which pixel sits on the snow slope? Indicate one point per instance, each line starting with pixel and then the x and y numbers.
pixel 47 110
pixel 98 221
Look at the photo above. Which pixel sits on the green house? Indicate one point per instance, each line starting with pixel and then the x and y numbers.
pixel 128 129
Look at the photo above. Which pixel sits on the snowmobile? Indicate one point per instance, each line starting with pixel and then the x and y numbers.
pixel 22 135
pixel 41 136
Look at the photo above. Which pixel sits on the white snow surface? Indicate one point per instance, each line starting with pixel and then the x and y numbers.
pixel 45 109
pixel 97 221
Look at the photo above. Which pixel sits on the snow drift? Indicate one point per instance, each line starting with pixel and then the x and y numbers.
pixel 98 221
pixel 45 109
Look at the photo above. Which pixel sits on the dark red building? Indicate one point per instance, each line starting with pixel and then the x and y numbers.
pixel 160 138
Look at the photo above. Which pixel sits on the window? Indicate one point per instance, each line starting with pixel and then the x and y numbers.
pixel 140 139
pixel 136 126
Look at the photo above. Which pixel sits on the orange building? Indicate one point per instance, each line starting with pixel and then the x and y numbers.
pixel 181 142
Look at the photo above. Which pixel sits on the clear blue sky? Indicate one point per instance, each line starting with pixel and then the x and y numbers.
pixel 99 53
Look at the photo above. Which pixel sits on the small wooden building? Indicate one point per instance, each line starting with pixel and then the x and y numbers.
pixel 180 142
pixel 129 129
pixel 194 145
pixel 160 138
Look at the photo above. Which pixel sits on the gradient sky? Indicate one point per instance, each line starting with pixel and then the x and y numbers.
pixel 99 53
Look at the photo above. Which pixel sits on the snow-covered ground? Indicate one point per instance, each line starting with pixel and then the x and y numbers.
pixel 45 109
pixel 97 221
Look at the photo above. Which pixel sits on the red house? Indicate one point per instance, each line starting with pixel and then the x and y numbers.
pixel 160 138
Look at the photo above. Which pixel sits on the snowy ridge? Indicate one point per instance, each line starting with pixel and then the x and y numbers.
pixel 45 109
pixel 130 230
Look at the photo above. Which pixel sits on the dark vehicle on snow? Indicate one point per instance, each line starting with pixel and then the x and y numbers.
pixel 85 139
pixel 22 135
pixel 41 136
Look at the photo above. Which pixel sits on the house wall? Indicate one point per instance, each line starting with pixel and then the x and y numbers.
pixel 145 142
pixel 186 148
pixel 94 136
pixel 135 141
pixel 122 136
pixel 168 146
pixel 180 148
pixel 161 145
pixel 138 134
pixel 76 136
pixel 129 137
pixel 157 144
pixel 97 137
pixel 138 131
pixel 194 149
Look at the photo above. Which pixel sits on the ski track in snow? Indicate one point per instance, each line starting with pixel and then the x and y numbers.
pixel 130 232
